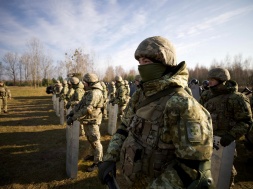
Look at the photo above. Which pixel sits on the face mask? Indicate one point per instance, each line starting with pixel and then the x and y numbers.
pixel 150 72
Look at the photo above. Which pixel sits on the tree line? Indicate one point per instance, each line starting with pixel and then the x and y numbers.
pixel 36 68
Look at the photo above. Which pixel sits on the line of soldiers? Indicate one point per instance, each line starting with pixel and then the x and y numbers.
pixel 87 101
pixel 5 94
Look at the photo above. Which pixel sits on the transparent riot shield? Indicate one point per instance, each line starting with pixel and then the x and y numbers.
pixel 222 163
pixel 112 121
pixel 57 109
pixel 72 134
pixel 62 114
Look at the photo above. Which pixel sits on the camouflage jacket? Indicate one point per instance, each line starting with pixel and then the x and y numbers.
pixel 64 92
pixel 230 110
pixel 89 108
pixel 181 111
pixel 205 96
pixel 77 95
pixel 105 92
pixel 121 95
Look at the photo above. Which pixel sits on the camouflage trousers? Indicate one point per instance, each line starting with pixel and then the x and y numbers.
pixel 169 179
pixel 92 134
pixel 3 104
pixel 121 109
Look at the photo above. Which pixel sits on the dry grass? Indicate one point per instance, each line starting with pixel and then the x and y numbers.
pixel 33 147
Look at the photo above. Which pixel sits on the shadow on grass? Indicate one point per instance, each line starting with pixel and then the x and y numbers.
pixel 30 111
pixel 32 157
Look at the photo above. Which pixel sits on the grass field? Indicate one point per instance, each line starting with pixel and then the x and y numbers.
pixel 33 147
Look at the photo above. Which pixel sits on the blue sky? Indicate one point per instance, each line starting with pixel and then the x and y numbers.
pixel 201 30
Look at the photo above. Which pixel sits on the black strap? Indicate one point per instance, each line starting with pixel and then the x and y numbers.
pixel 185 178
pixel 158 95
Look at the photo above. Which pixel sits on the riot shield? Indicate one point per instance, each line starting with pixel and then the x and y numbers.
pixel 72 134
pixel 222 163
pixel 112 121
pixel 57 104
pixel 62 115
pixel 195 91
pixel 53 99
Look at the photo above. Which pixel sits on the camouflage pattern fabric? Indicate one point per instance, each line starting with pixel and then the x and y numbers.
pixel 230 110
pixel 88 112
pixel 63 93
pixel 105 95
pixel 57 89
pixel 181 111
pixel 205 96
pixel 157 48
pixel 121 97
pixel 4 95
pixel 77 95
pixel 112 90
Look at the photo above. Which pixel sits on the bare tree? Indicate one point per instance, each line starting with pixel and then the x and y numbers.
pixel 35 51
pixel 1 70
pixel 79 62
pixel 11 61
pixel 119 71
pixel 25 62
pixel 109 74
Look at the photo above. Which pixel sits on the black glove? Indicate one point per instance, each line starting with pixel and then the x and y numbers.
pixel 70 121
pixel 226 140
pixel 104 169
pixel 70 115
pixel 67 106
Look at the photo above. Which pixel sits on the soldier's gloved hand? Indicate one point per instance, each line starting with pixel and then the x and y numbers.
pixel 104 169
pixel 70 121
pixel 226 140
pixel 67 106
pixel 70 115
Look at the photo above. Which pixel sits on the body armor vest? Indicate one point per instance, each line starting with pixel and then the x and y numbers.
pixel 221 113
pixel 143 152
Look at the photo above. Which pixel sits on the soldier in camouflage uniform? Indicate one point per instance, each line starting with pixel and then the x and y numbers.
pixel 78 92
pixel 121 96
pixel 230 109
pixel 105 94
pixel 112 90
pixel 57 88
pixel 165 137
pixel 5 94
pixel 135 85
pixel 64 92
pixel 70 90
pixel 88 112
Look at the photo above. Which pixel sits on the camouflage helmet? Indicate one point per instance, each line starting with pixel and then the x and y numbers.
pixel 90 78
pixel 74 80
pixel 221 74
pixel 157 49
pixel 118 78
pixel 65 82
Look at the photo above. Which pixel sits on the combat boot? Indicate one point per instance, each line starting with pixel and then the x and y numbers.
pixel 93 167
